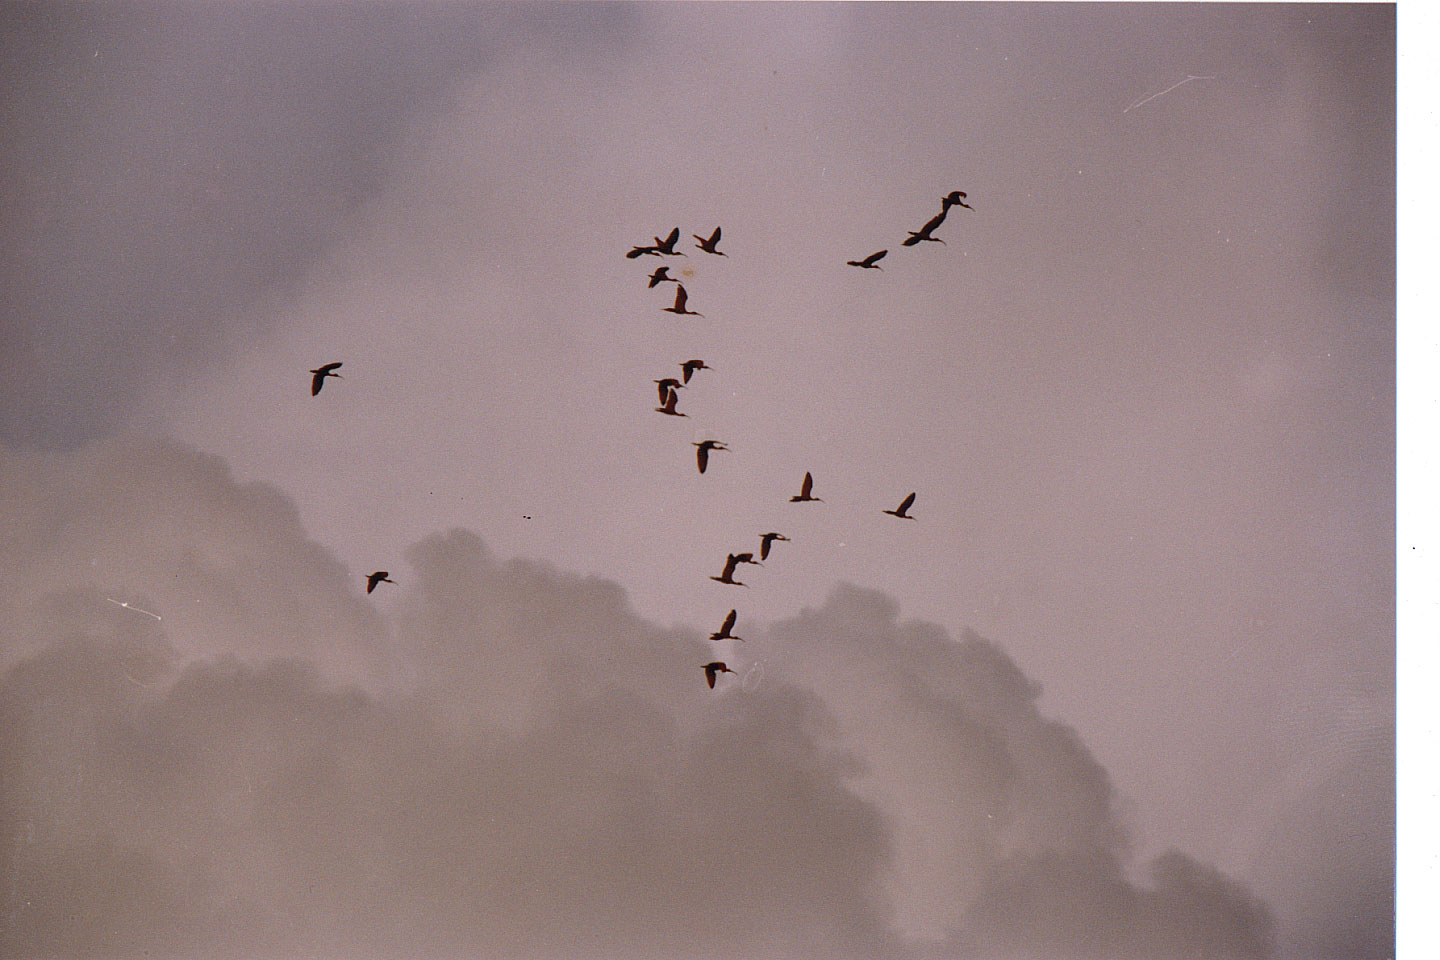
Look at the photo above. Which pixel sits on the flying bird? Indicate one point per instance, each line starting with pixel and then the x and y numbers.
pixel 729 575
pixel 711 669
pixel 667 246
pixel 690 366
pixel 669 405
pixel 680 299
pixel 379 576
pixel 709 245
pixel 805 486
pixel 924 232
pixel 765 540
pixel 318 381
pixel 666 385
pixel 869 263
pixel 661 275
pixel 724 632
pixel 702 455
pixel 955 198
pixel 900 510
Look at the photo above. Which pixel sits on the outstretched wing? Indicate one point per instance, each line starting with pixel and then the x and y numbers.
pixel 905 504
pixel 316 382
pixel 681 297
pixel 874 258
pixel 806 484
pixel 729 622
pixel 702 456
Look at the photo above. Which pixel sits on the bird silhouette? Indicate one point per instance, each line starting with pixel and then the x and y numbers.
pixel 661 275
pixel 681 297
pixel 709 245
pixel 667 246
pixel 379 576
pixel 955 198
pixel 900 510
pixel 744 558
pixel 320 373
pixel 711 669
pixel 690 366
pixel 804 495
pixel 869 263
pixel 724 632
pixel 669 405
pixel 666 385
pixel 765 540
pixel 924 232
pixel 636 252
pixel 729 575
pixel 702 455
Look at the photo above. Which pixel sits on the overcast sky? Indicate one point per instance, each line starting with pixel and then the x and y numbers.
pixel 1123 688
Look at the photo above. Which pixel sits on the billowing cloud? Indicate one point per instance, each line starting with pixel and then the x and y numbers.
pixel 503 759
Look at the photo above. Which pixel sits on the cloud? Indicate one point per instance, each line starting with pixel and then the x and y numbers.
pixel 170 168
pixel 536 770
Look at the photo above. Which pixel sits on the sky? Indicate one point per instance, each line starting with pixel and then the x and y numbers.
pixel 1123 688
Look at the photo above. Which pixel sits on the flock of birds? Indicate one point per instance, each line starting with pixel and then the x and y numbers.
pixel 669 388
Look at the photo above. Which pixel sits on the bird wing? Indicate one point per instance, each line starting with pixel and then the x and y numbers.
pixel 680 298
pixel 932 223
pixel 729 622
pixel 871 260
pixel 674 235
pixel 710 675
pixel 905 504
pixel 765 539
pixel 702 456
pixel 689 368
pixel 316 382
pixel 729 568
pixel 805 485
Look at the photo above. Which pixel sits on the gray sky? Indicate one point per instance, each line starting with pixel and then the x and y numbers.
pixel 1144 394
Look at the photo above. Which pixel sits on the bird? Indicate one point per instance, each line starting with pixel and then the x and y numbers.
pixel 666 385
pixel 955 198
pixel 661 275
pixel 690 366
pixel 702 455
pixel 805 486
pixel 636 252
pixel 711 669
pixel 900 510
pixel 379 576
pixel 924 232
pixel 765 540
pixel 709 245
pixel 669 405
pixel 869 263
pixel 729 575
pixel 680 298
pixel 318 381
pixel 724 632
pixel 667 246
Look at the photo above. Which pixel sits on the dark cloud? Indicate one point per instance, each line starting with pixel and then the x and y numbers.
pixel 540 771
pixel 168 166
